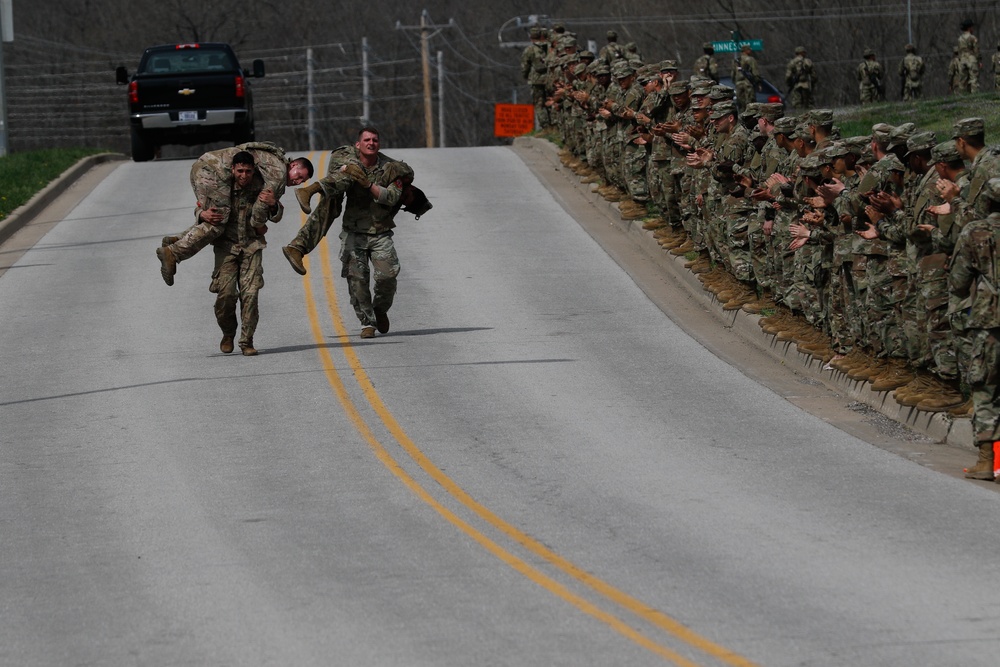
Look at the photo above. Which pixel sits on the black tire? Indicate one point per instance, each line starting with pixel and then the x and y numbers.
pixel 142 149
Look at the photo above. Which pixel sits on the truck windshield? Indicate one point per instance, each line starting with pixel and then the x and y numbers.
pixel 187 60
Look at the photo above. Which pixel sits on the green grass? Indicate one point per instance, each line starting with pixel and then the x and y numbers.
pixel 24 174
pixel 935 115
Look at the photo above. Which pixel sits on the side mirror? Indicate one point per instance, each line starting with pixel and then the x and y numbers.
pixel 121 75
pixel 258 68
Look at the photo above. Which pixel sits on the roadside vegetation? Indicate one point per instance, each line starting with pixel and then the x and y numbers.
pixel 24 174
pixel 934 115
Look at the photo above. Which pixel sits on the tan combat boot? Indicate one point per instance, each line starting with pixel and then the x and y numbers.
pixel 294 257
pixel 984 465
pixel 168 264
pixel 303 195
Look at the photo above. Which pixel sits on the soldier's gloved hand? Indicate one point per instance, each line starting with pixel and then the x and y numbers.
pixel 358 174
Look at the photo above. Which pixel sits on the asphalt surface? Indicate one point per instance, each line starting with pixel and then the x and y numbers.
pixel 535 466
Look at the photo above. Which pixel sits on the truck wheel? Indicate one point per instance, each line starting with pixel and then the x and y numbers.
pixel 142 149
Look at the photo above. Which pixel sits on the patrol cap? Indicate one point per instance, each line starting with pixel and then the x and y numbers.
pixel 580 69
pixel 991 190
pixel 893 162
pixel 921 141
pixel 785 125
pixel 707 46
pixel 869 52
pixel 969 127
pixel 668 66
pixel 900 134
pixel 945 152
pixel 800 49
pixel 645 74
pixel 771 110
pixel 622 69
pixel 586 55
pixel 567 40
pixel 836 150
pixel 722 109
pixel 612 35
pixel 802 132
pixel 535 32
pixel 910 48
pixel 678 88
pixel 857 144
pixel 700 90
pixel 822 156
pixel 719 93
pixel 601 68
pixel 751 110
pixel 810 164
pixel 881 132
pixel 820 117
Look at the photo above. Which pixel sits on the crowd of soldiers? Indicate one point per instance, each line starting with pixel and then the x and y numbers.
pixel 856 249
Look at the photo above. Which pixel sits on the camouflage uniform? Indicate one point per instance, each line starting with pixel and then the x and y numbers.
pixel 974 285
pixel 212 181
pixel 995 62
pixel 800 77
pixel 533 70
pixel 911 74
pixel 969 63
pixel 366 239
pixel 706 64
pixel 870 82
pixel 746 78
pixel 239 275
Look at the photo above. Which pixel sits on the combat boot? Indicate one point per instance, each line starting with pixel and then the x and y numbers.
pixel 226 345
pixel 948 396
pixel 895 376
pixel 963 410
pixel 683 249
pixel 368 332
pixel 248 349
pixel 168 264
pixel 914 392
pixel 737 302
pixel 653 224
pixel 984 465
pixel 633 214
pixel 303 195
pixel 294 257
pixel 169 240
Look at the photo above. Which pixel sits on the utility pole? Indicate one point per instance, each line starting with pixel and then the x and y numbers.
pixel 425 35
pixel 441 100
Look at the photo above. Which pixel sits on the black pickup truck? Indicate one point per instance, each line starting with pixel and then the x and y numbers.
pixel 188 94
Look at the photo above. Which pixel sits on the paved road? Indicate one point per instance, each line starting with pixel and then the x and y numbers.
pixel 534 467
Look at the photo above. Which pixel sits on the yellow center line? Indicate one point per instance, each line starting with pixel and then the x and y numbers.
pixel 627 602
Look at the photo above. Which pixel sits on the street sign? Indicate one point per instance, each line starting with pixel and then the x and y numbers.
pixel 513 120
pixel 730 46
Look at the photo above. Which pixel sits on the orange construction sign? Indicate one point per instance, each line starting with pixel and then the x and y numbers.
pixel 513 120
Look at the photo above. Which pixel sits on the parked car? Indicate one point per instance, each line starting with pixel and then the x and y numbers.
pixel 188 94
pixel 768 91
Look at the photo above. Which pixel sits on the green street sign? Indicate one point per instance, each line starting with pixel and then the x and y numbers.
pixel 730 46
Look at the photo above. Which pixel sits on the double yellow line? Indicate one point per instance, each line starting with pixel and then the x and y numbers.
pixel 624 601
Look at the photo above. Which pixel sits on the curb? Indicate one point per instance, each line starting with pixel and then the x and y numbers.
pixel 941 427
pixel 24 214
